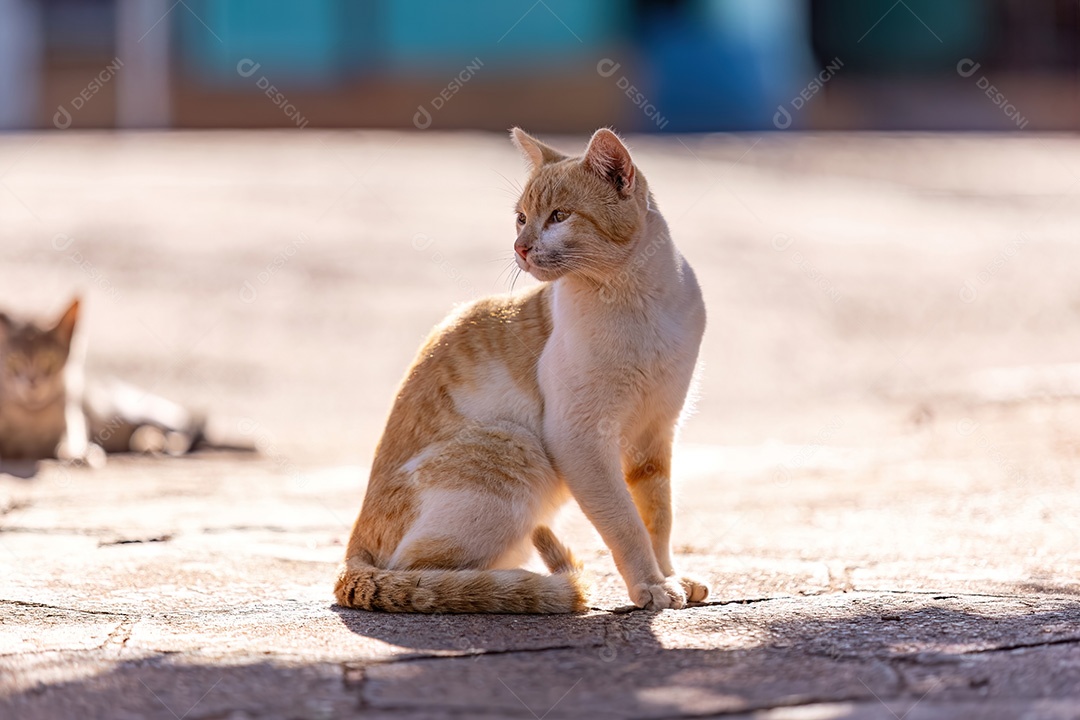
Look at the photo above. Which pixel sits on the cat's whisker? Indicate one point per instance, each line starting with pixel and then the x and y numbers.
pixel 515 186
pixel 506 270
pixel 515 279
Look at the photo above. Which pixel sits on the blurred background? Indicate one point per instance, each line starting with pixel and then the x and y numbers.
pixel 267 204
pixel 642 65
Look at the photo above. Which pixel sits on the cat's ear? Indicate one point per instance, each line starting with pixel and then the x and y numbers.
pixel 608 157
pixel 5 326
pixel 65 328
pixel 536 153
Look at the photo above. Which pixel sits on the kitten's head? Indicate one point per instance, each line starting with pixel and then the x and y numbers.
pixel 32 359
pixel 579 215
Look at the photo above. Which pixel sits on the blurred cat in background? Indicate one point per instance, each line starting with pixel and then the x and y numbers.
pixel 36 409
pixel 46 411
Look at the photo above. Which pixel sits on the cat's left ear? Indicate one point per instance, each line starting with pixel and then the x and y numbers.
pixel 536 153
pixel 608 157
pixel 65 329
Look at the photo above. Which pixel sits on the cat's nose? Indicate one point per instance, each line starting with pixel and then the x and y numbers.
pixel 522 248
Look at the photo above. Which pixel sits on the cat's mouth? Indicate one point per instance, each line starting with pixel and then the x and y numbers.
pixel 34 401
pixel 541 268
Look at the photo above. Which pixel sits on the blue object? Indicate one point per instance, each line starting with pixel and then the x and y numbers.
pixel 725 64
pixel 293 42
pixel 432 34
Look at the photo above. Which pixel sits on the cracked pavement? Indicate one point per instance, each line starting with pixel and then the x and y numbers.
pixel 880 481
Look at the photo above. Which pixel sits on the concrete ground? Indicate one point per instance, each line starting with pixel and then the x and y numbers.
pixel 880 480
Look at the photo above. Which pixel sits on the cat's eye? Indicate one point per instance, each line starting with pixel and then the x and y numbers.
pixel 521 218
pixel 559 216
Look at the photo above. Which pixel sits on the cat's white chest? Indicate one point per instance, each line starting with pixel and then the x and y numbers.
pixel 601 358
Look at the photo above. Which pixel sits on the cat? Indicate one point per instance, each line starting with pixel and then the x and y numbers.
pixel 46 411
pixel 39 417
pixel 517 403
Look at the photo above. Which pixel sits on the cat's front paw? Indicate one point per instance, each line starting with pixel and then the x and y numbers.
pixel 90 455
pixel 696 589
pixel 668 594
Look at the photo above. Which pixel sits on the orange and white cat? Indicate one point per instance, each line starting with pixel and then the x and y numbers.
pixel 516 403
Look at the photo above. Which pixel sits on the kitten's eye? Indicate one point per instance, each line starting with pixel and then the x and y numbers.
pixel 521 218
pixel 558 216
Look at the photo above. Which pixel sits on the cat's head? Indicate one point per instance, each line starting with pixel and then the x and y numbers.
pixel 579 215
pixel 32 358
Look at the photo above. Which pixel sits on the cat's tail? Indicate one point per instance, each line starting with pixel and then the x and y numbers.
pixel 363 586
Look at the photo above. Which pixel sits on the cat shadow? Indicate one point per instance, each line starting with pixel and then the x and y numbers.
pixel 478 633
pixel 22 469
pixel 474 633
pixel 877 656
pixel 30 469
pixel 851 657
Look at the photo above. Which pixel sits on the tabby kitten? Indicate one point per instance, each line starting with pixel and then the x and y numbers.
pixel 45 411
pixel 516 403
pixel 39 417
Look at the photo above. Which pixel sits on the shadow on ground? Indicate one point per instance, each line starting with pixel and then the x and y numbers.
pixel 22 469
pixel 861 656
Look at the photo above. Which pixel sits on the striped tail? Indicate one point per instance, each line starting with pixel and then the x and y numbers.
pixel 363 586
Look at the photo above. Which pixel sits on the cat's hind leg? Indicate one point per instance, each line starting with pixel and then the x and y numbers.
pixel 480 497
pixel 555 555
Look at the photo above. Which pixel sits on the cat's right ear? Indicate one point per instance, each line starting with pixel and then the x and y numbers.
pixel 65 328
pixel 536 153
pixel 5 325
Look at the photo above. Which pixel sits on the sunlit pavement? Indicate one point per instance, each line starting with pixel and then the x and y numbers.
pixel 880 479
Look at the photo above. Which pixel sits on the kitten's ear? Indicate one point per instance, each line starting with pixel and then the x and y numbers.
pixel 536 153
pixel 65 329
pixel 609 158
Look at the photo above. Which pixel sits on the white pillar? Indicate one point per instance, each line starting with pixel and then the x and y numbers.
pixel 20 64
pixel 143 94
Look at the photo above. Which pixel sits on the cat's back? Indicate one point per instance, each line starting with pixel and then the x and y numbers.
pixel 477 366
pixel 497 326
